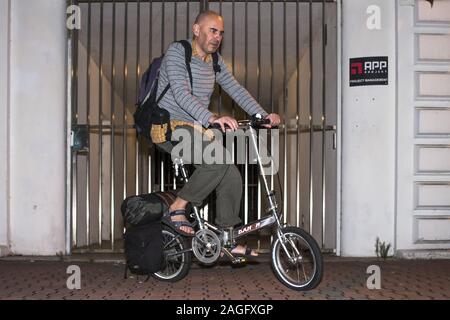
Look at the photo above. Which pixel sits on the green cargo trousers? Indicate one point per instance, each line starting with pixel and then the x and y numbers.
pixel 224 178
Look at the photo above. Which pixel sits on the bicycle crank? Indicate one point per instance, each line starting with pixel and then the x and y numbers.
pixel 206 246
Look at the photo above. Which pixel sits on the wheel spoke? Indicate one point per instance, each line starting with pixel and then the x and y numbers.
pixel 301 269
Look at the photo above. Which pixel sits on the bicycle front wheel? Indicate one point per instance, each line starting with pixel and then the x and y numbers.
pixel 297 263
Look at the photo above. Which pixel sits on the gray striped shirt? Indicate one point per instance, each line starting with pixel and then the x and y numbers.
pixel 181 104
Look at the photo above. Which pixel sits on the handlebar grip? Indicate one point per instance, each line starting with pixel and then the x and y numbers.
pixel 261 121
pixel 217 126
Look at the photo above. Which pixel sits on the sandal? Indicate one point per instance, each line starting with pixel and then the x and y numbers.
pixel 247 253
pixel 178 224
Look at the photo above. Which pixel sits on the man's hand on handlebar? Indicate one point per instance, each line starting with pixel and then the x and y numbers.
pixel 274 120
pixel 226 123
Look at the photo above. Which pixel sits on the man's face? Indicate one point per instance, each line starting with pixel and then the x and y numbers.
pixel 209 34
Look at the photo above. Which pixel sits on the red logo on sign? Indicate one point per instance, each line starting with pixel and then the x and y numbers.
pixel 356 68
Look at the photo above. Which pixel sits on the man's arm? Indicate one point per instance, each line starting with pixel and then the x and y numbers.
pixel 179 83
pixel 237 92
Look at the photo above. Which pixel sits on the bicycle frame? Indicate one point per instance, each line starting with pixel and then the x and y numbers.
pixel 211 242
pixel 273 218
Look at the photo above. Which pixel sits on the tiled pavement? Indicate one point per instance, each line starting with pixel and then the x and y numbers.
pixel 343 279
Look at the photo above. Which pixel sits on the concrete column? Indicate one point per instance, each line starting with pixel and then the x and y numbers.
pixel 37 127
pixel 368 130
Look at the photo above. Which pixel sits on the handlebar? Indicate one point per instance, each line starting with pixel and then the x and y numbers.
pixel 254 122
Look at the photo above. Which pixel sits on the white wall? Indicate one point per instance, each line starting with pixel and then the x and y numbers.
pixel 368 133
pixel 4 132
pixel 38 107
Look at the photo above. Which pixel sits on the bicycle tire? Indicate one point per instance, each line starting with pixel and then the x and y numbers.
pixel 176 267
pixel 311 248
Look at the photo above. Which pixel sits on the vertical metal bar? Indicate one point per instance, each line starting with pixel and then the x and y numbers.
pixel 150 32
pixel 187 20
pixel 175 21
pixel 233 29
pixel 297 149
pixel 111 159
pixel 286 118
pixel 258 68
pixel 258 75
pixel 324 70
pixel 258 90
pixel 271 56
pixel 246 43
pixel 138 49
pixel 246 173
pixel 71 156
pixel 100 132
pixel 149 173
pixel 246 183
pixel 163 9
pixel 124 94
pixel 162 175
pixel 271 82
pixel 88 102
pixel 220 50
pixel 311 108
pixel 75 108
pixel 338 124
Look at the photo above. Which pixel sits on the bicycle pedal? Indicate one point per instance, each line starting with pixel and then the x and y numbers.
pixel 239 260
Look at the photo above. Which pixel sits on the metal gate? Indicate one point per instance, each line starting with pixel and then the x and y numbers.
pixel 283 52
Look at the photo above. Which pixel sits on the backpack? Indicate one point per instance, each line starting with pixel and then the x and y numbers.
pixel 147 102
pixel 143 240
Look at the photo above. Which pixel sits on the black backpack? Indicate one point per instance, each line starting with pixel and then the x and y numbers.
pixel 147 111
pixel 143 240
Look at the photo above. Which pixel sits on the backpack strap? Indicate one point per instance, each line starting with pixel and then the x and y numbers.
pixel 163 93
pixel 188 57
pixel 216 66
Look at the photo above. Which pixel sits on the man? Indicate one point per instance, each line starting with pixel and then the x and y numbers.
pixel 188 106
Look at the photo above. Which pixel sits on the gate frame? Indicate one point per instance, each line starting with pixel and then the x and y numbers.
pixel 71 59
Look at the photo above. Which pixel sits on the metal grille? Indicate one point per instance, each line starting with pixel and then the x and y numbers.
pixel 283 52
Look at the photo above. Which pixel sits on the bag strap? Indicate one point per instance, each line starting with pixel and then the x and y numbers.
pixel 216 65
pixel 188 57
pixel 163 93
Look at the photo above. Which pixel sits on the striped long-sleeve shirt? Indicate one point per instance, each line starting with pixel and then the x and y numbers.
pixel 184 106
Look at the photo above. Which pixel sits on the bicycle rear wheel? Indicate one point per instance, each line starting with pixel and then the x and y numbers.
pixel 304 268
pixel 177 264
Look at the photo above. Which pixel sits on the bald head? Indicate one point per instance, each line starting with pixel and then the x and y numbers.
pixel 208 31
pixel 206 14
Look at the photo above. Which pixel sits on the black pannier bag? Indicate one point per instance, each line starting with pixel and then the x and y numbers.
pixel 143 209
pixel 143 241
pixel 144 249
